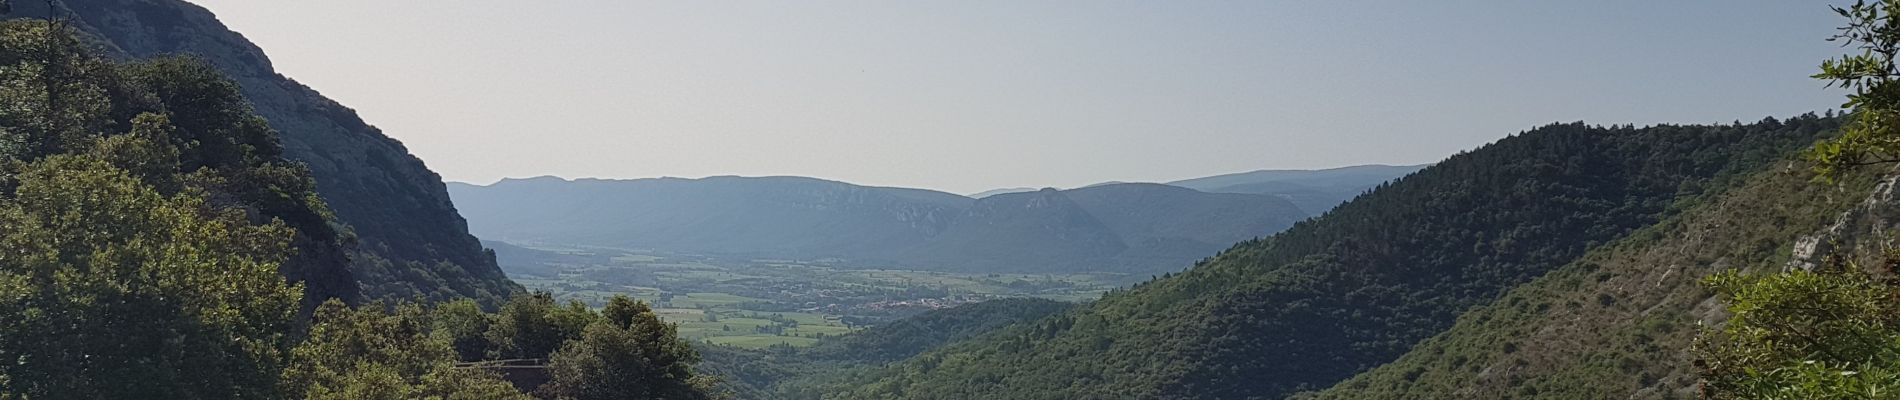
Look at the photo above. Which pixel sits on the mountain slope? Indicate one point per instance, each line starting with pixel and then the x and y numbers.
pixel 409 238
pixel 1315 191
pixel 1020 232
pixel 1361 285
pixel 1619 323
pixel 1139 228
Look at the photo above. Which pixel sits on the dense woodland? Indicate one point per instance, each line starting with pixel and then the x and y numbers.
pixel 1622 319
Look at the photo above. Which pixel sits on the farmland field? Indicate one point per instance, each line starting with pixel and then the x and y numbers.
pixel 764 303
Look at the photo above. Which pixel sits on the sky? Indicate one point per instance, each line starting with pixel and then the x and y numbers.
pixel 965 96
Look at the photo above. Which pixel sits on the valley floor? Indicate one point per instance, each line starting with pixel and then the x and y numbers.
pixel 755 303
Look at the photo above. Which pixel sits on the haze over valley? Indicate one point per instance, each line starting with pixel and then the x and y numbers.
pixel 1130 228
pixel 1019 200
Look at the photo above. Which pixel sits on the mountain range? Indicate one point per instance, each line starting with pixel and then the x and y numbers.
pixel 1124 227
pixel 1315 191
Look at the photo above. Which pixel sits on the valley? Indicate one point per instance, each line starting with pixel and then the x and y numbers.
pixel 762 303
pixel 179 219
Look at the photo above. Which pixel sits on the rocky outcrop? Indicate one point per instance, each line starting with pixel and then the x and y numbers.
pixel 1859 233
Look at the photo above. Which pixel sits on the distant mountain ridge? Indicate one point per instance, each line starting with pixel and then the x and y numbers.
pixel 1315 191
pixel 993 192
pixel 1135 228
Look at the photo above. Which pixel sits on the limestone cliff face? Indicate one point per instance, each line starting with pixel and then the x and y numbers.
pixel 1860 233
pixel 409 239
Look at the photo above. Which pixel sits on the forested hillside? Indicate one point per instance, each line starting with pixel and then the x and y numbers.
pixel 1620 321
pixel 175 125
pixel 1137 228
pixel 403 233
pixel 1358 287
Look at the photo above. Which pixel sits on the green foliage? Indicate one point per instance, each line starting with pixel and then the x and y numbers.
pixel 1555 338
pixel 900 339
pixel 369 354
pixel 630 354
pixel 150 221
pixel 463 324
pixel 411 352
pixel 1827 334
pixel 623 311
pixel 175 125
pixel 1362 284
pixel 1833 333
pixel 533 326
pixel 406 239
pixel 112 290
pixel 134 269
pixel 1874 135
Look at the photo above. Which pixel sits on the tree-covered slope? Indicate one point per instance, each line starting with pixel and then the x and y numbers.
pixel 1169 224
pixel 1619 322
pixel 408 239
pixel 1359 286
pixel 149 223
pixel 174 123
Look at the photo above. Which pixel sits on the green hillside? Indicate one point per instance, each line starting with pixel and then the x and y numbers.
pixel 1619 322
pixel 1361 285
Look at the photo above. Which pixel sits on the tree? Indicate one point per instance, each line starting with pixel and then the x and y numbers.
pixel 1833 333
pixel 463 324
pixel 532 326
pixel 111 290
pixel 623 311
pixel 369 354
pixel 1874 135
pixel 630 354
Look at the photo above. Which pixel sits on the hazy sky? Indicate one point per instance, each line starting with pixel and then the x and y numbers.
pixel 972 95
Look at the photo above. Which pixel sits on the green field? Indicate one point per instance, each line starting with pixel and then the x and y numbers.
pixel 762 303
